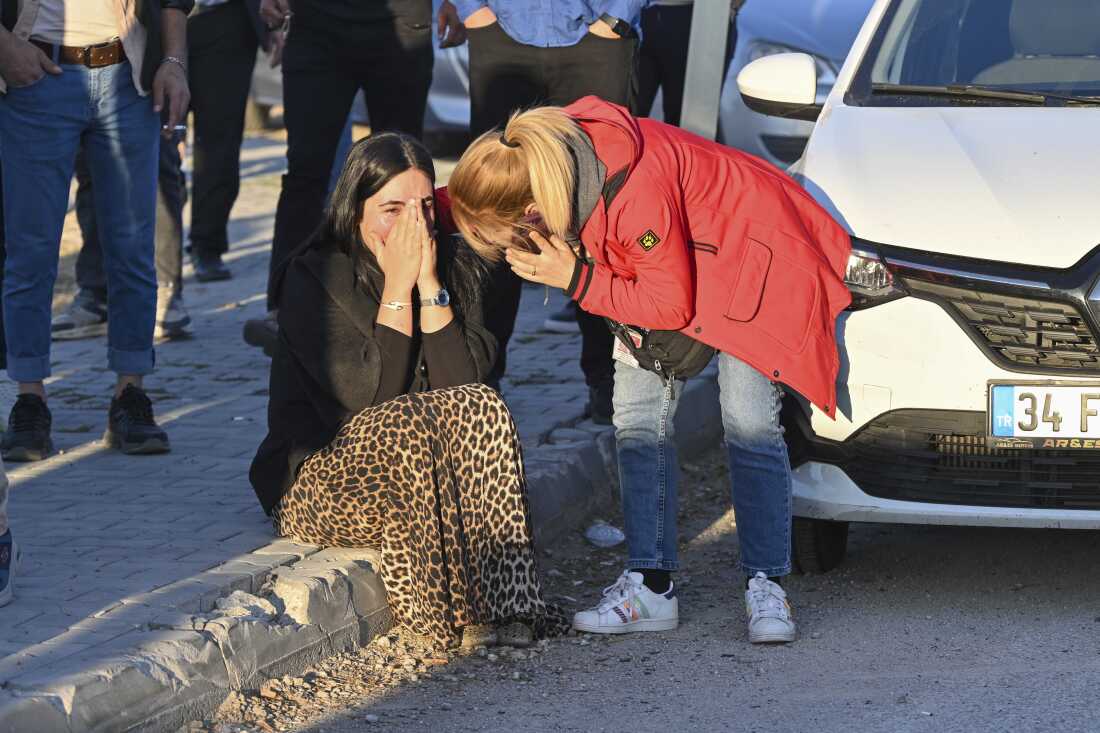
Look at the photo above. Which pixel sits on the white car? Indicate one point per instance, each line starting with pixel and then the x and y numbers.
pixel 960 148
pixel 824 29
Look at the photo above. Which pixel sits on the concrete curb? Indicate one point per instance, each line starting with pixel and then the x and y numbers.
pixel 156 661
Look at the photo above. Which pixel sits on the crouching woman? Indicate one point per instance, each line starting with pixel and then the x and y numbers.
pixel 379 434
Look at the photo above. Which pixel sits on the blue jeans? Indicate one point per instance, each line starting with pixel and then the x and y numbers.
pixel 760 470
pixel 41 128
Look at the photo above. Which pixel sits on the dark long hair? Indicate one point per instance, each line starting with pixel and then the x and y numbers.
pixel 372 163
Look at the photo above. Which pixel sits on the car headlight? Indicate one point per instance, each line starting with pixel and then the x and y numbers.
pixel 869 278
pixel 826 72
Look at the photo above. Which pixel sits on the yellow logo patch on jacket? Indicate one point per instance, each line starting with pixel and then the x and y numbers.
pixel 649 240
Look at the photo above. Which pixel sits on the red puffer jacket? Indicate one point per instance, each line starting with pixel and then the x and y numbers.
pixel 715 243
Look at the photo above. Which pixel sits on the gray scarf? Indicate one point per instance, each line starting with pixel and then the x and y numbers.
pixel 591 173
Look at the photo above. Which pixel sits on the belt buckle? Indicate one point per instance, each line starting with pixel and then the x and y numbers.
pixel 88 54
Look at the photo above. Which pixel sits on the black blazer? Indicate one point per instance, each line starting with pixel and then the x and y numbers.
pixel 327 366
pixel 259 27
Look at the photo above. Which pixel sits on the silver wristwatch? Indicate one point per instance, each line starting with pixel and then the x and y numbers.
pixel 442 298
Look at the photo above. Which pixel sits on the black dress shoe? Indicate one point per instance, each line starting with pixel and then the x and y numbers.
pixel 28 434
pixel 209 268
pixel 131 427
pixel 262 333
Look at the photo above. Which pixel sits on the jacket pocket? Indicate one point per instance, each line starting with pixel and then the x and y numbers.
pixel 748 287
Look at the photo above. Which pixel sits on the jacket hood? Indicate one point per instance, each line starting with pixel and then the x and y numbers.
pixel 620 136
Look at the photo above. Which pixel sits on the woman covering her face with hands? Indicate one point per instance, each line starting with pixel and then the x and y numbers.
pixel 379 434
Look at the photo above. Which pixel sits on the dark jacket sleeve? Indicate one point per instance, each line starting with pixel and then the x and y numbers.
pixel 397 362
pixel 464 350
pixel 449 358
pixel 184 5
pixel 342 362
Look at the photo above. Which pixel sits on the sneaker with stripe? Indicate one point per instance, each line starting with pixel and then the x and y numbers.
pixel 769 611
pixel 629 606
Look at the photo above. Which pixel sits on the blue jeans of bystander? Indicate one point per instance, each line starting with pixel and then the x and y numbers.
pixel 42 126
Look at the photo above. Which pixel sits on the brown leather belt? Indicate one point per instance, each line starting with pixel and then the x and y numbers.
pixel 102 54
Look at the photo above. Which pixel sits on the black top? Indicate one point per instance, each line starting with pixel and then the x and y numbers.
pixel 333 360
pixel 327 13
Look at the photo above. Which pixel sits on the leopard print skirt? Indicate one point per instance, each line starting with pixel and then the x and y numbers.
pixel 435 482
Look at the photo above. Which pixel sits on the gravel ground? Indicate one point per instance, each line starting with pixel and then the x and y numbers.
pixel 922 629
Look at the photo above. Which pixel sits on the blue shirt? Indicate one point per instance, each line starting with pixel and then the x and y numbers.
pixel 552 23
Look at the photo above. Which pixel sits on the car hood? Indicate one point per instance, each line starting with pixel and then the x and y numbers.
pixel 822 27
pixel 999 183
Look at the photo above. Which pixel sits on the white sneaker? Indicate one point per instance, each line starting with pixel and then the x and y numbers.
pixel 10 559
pixel 172 317
pixel 629 606
pixel 84 318
pixel 769 612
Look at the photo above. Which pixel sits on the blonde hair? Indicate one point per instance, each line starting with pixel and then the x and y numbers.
pixel 501 174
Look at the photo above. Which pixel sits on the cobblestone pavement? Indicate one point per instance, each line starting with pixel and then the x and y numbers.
pixel 100 530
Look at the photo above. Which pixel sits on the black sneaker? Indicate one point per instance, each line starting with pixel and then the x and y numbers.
pixel 599 402
pixel 209 268
pixel 28 434
pixel 131 427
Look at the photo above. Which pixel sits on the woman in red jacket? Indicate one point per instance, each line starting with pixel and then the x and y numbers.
pixel 687 242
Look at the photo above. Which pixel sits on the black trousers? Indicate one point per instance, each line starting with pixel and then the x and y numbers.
pixel 662 58
pixel 171 197
pixel 221 46
pixel 324 64
pixel 506 76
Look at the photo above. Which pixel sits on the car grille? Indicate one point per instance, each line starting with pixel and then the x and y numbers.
pixel 942 457
pixel 1018 331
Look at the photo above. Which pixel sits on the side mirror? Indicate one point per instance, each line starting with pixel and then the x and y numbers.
pixel 781 85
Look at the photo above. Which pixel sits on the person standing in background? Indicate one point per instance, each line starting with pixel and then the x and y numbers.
pixel 333 49
pixel 662 58
pixel 86 316
pixel 222 39
pixel 109 77
pixel 522 54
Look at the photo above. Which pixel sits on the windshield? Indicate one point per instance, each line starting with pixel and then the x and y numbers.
pixel 1040 46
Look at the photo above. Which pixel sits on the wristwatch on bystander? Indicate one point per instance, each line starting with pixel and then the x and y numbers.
pixel 620 27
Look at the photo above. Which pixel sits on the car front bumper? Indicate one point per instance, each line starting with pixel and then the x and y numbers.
pixel 823 491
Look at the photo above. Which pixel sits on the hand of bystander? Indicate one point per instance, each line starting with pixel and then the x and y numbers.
pixel 451 30
pixel 21 62
pixel 603 30
pixel 481 18
pixel 274 12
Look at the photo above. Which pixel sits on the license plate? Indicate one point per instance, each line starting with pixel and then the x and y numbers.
pixel 1044 415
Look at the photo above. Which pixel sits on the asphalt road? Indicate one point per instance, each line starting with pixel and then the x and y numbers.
pixel 923 629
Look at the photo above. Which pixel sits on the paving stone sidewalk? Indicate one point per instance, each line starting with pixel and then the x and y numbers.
pixel 110 541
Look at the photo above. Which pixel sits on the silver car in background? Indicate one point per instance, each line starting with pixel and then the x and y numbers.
pixel 825 29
